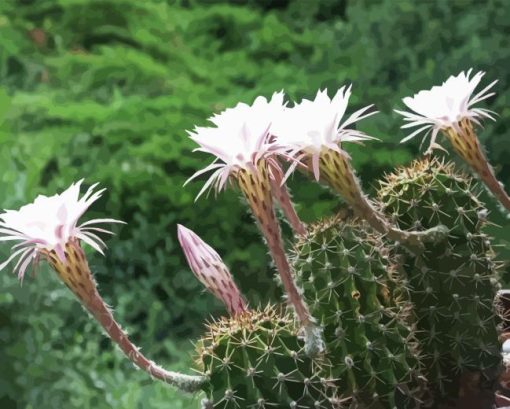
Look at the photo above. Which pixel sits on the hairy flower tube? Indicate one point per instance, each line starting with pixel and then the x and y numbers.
pixel 210 270
pixel 282 195
pixel 246 155
pixel 313 133
pixel 450 108
pixel 48 229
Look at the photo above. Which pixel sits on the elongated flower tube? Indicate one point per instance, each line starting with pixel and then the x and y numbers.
pixel 313 132
pixel 48 229
pixel 282 195
pixel 450 108
pixel 245 152
pixel 210 270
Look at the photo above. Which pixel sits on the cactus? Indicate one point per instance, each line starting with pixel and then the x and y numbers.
pixel 249 160
pixel 256 360
pixel 382 325
pixel 353 289
pixel 453 283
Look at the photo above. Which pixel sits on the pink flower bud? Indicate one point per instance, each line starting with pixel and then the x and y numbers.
pixel 210 270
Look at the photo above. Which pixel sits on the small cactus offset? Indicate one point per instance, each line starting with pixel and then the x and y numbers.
pixel 256 360
pixel 352 286
pixel 453 283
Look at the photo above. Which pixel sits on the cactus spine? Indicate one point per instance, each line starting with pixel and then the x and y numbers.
pixel 351 285
pixel 453 283
pixel 256 360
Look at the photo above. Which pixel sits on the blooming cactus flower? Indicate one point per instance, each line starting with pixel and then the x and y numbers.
pixel 450 108
pixel 48 224
pixel 210 270
pixel 446 106
pixel 245 152
pixel 312 128
pixel 239 140
pixel 48 228
pixel 313 132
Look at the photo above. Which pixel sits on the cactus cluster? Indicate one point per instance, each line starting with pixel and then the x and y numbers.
pixel 391 302
pixel 351 282
pixel 257 360
pixel 454 282
pixel 402 329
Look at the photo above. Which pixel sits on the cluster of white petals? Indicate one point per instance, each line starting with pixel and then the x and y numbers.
pixel 309 127
pixel 246 133
pixel 446 105
pixel 49 223
pixel 240 138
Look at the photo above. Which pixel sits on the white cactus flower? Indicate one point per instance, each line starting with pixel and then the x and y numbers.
pixel 241 137
pixel 310 127
pixel 48 224
pixel 446 106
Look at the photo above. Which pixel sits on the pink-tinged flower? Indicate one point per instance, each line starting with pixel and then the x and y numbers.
pixel 246 152
pixel 313 132
pixel 450 108
pixel 446 106
pixel 48 224
pixel 239 140
pixel 48 228
pixel 310 128
pixel 210 270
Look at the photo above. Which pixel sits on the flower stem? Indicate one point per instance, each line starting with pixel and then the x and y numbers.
pixel 468 148
pixel 257 191
pixel 282 195
pixel 75 273
pixel 337 172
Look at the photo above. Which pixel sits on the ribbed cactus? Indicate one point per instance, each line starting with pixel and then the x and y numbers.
pixel 256 360
pixel 388 311
pixel 454 282
pixel 351 284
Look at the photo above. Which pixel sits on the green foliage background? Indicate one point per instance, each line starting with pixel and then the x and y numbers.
pixel 105 89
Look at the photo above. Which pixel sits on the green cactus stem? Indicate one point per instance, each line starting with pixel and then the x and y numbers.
pixel 454 283
pixel 353 288
pixel 256 360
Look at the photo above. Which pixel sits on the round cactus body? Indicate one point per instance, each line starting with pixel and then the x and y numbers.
pixel 256 360
pixel 453 282
pixel 355 293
